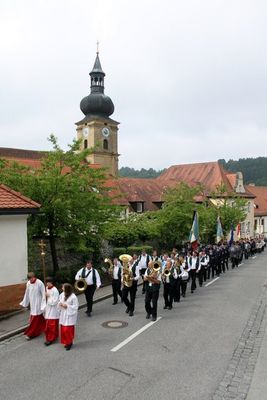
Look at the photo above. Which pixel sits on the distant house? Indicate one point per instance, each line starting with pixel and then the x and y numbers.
pixel 140 195
pixel 260 209
pixel 14 210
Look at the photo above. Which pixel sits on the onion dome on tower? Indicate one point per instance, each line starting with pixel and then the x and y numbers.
pixel 97 104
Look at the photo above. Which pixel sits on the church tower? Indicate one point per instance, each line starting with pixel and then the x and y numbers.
pixel 97 130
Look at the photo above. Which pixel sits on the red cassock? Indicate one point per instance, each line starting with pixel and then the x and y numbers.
pixel 67 334
pixel 51 330
pixel 36 326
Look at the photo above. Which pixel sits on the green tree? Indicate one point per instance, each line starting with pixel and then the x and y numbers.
pixel 73 196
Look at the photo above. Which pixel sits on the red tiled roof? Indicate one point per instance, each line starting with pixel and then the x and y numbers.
pixel 149 191
pixel 11 200
pixel 6 152
pixel 208 174
pixel 261 199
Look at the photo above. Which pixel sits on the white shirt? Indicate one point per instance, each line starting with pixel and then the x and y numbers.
pixel 193 264
pixel 51 310
pixel 116 269
pixel 142 262
pixel 89 276
pixel 35 297
pixel 68 316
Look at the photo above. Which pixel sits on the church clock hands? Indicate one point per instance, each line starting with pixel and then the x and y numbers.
pixel 105 132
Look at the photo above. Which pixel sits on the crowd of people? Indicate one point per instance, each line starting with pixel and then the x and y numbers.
pixel 56 314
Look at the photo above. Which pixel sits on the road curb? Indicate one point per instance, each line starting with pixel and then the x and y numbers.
pixel 17 331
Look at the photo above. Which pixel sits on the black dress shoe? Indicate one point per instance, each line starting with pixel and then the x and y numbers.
pixel 147 316
pixel 170 308
pixel 89 314
pixel 165 307
pixel 154 319
pixel 68 347
pixel 115 302
pixel 127 310
pixel 131 314
pixel 48 343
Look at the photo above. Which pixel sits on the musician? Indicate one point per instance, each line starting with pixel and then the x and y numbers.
pixel 116 280
pixel 192 265
pixel 177 288
pixel 155 256
pixel 143 262
pixel 35 297
pixel 203 266
pixel 152 292
pixel 51 312
pixel 169 278
pixel 184 276
pixel 130 287
pixel 93 281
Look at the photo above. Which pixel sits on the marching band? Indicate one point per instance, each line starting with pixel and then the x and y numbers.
pixel 174 271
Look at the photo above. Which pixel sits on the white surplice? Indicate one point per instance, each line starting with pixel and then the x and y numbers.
pixel 68 316
pixel 51 309
pixel 35 297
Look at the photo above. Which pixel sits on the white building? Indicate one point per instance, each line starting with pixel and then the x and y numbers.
pixel 14 211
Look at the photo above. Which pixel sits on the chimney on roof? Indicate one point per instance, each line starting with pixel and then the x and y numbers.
pixel 239 184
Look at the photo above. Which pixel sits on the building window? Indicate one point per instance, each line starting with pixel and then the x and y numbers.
pixel 85 144
pixel 139 207
pixel 105 144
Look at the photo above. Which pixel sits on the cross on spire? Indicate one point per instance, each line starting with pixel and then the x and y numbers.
pixel 97 47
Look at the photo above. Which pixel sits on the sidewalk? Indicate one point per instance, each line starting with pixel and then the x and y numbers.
pixel 16 323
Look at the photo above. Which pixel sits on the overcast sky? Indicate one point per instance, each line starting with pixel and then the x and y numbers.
pixel 187 77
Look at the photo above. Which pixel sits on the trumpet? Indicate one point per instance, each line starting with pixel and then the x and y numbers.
pixel 80 285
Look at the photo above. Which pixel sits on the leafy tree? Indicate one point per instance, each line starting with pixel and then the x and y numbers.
pixel 73 196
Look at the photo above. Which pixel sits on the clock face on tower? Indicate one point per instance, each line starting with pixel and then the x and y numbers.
pixel 85 132
pixel 105 132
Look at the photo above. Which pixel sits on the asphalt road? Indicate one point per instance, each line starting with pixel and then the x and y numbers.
pixel 184 355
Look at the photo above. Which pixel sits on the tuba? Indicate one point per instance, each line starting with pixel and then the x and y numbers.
pixel 80 285
pixel 127 275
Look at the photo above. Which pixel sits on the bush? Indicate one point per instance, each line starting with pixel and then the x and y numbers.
pixel 138 249
pixel 117 251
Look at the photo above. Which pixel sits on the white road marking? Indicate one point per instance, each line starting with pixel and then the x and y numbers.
pixel 133 336
pixel 214 280
pixel 240 264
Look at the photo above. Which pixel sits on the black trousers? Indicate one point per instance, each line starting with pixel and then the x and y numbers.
pixel 168 294
pixel 177 290
pixel 193 279
pixel 116 289
pixel 126 291
pixel 183 287
pixel 152 295
pixel 89 294
pixel 200 276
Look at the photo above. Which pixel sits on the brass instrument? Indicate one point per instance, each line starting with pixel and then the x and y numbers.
pixel 166 272
pixel 80 285
pixel 127 275
pixel 156 267
pixel 111 266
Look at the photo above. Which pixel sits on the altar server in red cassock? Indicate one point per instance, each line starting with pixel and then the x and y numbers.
pixel 68 306
pixel 35 297
pixel 51 312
